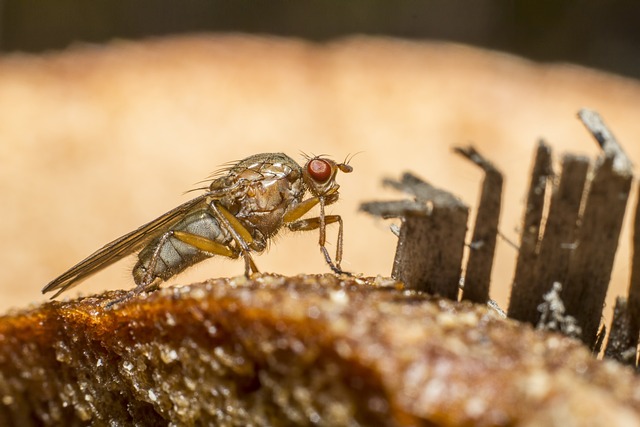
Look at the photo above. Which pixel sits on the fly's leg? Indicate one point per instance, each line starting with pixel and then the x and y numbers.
pixel 205 245
pixel 306 205
pixel 320 222
pixel 239 233
pixel 148 283
pixel 201 243
pixel 293 222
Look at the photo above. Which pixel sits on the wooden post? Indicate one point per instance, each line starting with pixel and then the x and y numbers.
pixel 634 285
pixel 559 239
pixel 431 241
pixel 524 297
pixel 592 261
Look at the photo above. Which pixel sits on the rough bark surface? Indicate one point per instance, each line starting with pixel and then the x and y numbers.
pixel 304 350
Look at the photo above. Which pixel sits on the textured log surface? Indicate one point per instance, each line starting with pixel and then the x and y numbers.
pixel 306 350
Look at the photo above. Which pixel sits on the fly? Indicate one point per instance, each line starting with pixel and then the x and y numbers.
pixel 241 210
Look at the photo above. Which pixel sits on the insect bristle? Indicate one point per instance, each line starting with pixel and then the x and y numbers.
pixel 196 189
pixel 305 155
pixel 314 156
pixel 222 170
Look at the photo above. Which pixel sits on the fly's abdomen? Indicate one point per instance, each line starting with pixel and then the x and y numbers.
pixel 174 255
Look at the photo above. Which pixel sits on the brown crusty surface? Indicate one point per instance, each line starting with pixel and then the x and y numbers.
pixel 303 350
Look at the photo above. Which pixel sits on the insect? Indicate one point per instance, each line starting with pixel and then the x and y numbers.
pixel 246 204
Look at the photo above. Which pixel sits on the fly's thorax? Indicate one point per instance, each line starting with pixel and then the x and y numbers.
pixel 261 189
pixel 256 166
pixel 266 201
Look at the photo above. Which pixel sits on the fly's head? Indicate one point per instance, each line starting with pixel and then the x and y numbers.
pixel 319 175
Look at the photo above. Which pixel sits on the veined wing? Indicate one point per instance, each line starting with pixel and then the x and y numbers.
pixel 123 246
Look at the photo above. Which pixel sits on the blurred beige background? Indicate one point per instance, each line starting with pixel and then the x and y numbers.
pixel 96 140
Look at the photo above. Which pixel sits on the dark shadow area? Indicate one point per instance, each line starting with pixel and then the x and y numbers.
pixel 596 34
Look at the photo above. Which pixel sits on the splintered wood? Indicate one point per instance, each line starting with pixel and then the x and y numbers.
pixel 525 297
pixel 634 287
pixel 571 227
pixel 622 342
pixel 434 225
pixel 543 262
pixel 485 231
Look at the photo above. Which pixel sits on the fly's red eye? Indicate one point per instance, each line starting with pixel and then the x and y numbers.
pixel 319 170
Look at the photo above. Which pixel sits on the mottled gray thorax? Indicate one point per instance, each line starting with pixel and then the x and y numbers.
pixel 266 187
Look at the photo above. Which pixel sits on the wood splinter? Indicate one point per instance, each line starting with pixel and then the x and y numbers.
pixel 591 263
pixel 483 242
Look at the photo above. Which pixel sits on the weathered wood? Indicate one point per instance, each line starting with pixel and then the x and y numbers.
pixel 425 192
pixel 522 299
pixel 431 241
pixel 395 209
pixel 597 346
pixel 622 343
pixel 485 230
pixel 604 137
pixel 634 285
pixel 559 237
pixel 553 314
pixel 592 261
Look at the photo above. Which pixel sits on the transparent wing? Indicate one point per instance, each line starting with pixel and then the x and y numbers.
pixel 123 246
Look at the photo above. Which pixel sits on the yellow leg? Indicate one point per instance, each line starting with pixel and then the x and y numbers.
pixel 320 222
pixel 235 224
pixel 306 205
pixel 239 233
pixel 302 208
pixel 204 244
pixel 293 222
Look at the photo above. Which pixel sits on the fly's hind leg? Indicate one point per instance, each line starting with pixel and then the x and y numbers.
pixel 239 233
pixel 140 288
pixel 149 282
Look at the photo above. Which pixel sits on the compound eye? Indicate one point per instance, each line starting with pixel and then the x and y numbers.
pixel 319 170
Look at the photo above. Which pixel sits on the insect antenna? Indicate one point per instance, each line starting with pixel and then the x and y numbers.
pixel 350 157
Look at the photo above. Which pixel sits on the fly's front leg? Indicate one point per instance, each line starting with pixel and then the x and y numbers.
pixel 239 233
pixel 306 205
pixel 321 222
pixel 292 221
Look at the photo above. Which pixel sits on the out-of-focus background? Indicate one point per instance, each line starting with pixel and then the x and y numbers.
pixel 109 111
pixel 596 34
